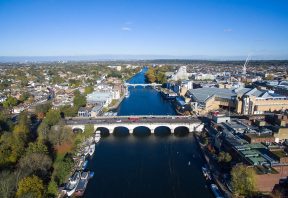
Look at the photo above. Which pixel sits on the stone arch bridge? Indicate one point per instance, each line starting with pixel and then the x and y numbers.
pixel 132 122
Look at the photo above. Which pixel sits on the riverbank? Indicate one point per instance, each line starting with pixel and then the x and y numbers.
pixel 213 169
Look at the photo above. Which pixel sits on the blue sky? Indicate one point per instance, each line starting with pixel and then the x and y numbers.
pixel 180 28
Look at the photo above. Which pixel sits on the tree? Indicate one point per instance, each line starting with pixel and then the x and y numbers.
pixel 37 147
pixel 43 131
pixel 79 100
pixel 7 184
pixel 59 135
pixel 24 96
pixel 30 185
pixel 11 148
pixel 52 189
pixel 35 163
pixel 43 108
pixel 243 180
pixel 62 169
pixel 52 117
pixel 69 111
pixel 88 90
pixel 224 157
pixel 10 102
pixel 22 129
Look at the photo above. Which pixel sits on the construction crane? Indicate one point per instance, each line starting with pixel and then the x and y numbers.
pixel 245 65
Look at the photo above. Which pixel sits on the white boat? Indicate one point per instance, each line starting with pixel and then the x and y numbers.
pixel 97 137
pixel 91 149
pixel 70 187
pixel 206 173
pixel 127 94
pixel 216 191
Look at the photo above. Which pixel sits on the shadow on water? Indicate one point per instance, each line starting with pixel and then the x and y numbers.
pixel 121 132
pixel 103 131
pixel 181 131
pixel 162 131
pixel 141 131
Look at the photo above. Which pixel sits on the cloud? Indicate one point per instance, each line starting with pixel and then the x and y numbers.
pixel 127 29
pixel 228 30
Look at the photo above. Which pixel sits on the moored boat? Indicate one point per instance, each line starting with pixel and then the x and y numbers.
pixel 81 187
pixel 91 149
pixel 85 164
pixel 206 173
pixel 216 191
pixel 97 137
pixel 70 187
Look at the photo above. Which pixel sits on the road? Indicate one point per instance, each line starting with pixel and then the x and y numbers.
pixel 132 119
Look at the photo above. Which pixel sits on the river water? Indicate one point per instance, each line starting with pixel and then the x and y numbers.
pixel 146 166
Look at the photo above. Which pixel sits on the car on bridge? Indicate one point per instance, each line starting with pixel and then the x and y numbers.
pixel 133 119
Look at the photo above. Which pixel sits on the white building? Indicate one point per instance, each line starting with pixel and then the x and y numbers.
pixel 180 74
pixel 100 97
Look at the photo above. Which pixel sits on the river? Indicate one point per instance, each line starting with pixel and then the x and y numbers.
pixel 146 166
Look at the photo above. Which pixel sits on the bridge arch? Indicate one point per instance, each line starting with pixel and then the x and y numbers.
pixel 162 131
pixel 78 130
pixel 121 131
pixel 141 131
pixel 181 131
pixel 104 131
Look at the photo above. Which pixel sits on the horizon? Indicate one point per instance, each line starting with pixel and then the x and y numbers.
pixel 225 30
pixel 107 58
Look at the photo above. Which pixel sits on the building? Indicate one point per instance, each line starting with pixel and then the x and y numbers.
pixel 100 97
pixel 245 101
pixel 84 112
pixel 258 102
pixel 211 98
pixel 180 74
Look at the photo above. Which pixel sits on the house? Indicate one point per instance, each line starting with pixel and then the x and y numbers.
pixel 84 112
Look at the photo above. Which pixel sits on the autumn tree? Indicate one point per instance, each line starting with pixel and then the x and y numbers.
pixel 31 185
pixel 243 180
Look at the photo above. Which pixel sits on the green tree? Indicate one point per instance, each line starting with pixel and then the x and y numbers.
pixel 43 131
pixel 11 148
pixel 22 128
pixel 52 117
pixel 52 189
pixel 10 102
pixel 43 108
pixel 69 111
pixel 79 100
pixel 88 90
pixel 37 147
pixel 243 180
pixel 32 185
pixel 224 157
pixel 63 169
pixel 24 96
